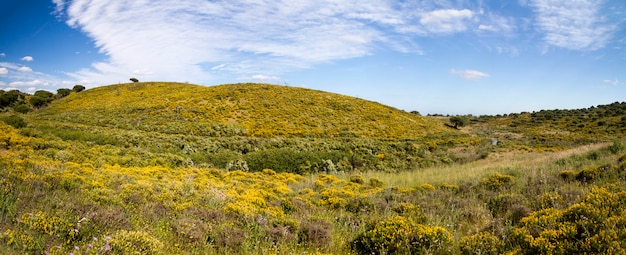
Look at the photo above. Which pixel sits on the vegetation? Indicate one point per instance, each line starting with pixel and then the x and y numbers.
pixel 102 172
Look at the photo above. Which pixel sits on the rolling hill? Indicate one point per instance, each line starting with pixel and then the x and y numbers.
pixel 259 110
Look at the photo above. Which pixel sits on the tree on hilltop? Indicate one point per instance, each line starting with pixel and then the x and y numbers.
pixel 78 88
pixel 134 80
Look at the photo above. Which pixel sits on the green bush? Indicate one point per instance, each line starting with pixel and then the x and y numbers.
pixel 15 121
pixel 22 108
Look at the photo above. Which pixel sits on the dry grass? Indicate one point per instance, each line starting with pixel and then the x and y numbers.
pixel 510 161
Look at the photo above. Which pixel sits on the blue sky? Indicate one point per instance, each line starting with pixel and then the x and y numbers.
pixel 437 56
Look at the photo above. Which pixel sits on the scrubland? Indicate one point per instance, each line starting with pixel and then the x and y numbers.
pixel 140 172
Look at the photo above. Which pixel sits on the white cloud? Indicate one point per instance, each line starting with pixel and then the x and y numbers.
pixel 576 25
pixel 614 82
pixel 24 69
pixel 469 74
pixel 2 55
pixel 3 71
pixel 446 21
pixel 265 78
pixel 27 58
pixel 192 40
pixel 32 83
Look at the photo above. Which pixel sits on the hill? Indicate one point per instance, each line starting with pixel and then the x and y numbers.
pixel 162 168
pixel 236 110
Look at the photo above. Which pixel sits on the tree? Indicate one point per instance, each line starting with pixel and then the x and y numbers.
pixel 44 94
pixel 458 121
pixel 38 101
pixel 61 93
pixel 134 80
pixel 78 88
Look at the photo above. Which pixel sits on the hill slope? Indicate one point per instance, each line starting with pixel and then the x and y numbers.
pixel 237 109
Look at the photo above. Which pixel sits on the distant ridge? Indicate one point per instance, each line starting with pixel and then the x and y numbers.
pixel 249 109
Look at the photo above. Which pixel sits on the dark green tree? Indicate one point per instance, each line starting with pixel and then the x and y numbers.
pixel 134 80
pixel 38 101
pixel 78 88
pixel 458 121
pixel 44 94
pixel 63 92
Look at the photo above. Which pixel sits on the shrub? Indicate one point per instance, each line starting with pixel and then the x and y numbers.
pixel 15 121
pixel 22 108
pixel 426 186
pixel 567 175
pixel 480 243
pixel 316 234
pixel 398 235
pixel 376 183
pixel 497 181
pixel 357 179
pixel 588 174
pixel 135 242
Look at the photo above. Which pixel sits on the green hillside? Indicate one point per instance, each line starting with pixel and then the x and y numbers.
pixel 238 109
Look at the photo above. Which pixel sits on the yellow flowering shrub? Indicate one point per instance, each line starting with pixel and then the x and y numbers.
pixel 593 226
pixel 497 181
pixel 480 243
pixel 399 235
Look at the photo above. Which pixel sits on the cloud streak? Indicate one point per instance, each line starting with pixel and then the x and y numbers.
pixel 575 25
pixel 201 39
pixel 468 74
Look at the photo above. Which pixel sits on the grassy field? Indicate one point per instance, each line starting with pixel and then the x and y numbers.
pixel 73 182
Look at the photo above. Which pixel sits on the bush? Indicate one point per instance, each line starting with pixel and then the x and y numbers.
pixel 567 175
pixel 15 121
pixel 357 179
pixel 398 235
pixel 480 243
pixel 376 183
pixel 135 242
pixel 316 234
pixel 22 108
pixel 497 181
pixel 588 174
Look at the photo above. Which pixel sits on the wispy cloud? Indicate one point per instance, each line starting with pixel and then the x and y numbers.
pixel 576 25
pixel 27 58
pixel 201 39
pixel 17 75
pixel 614 82
pixel 446 21
pixel 469 74
pixel 3 55
pixel 24 69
